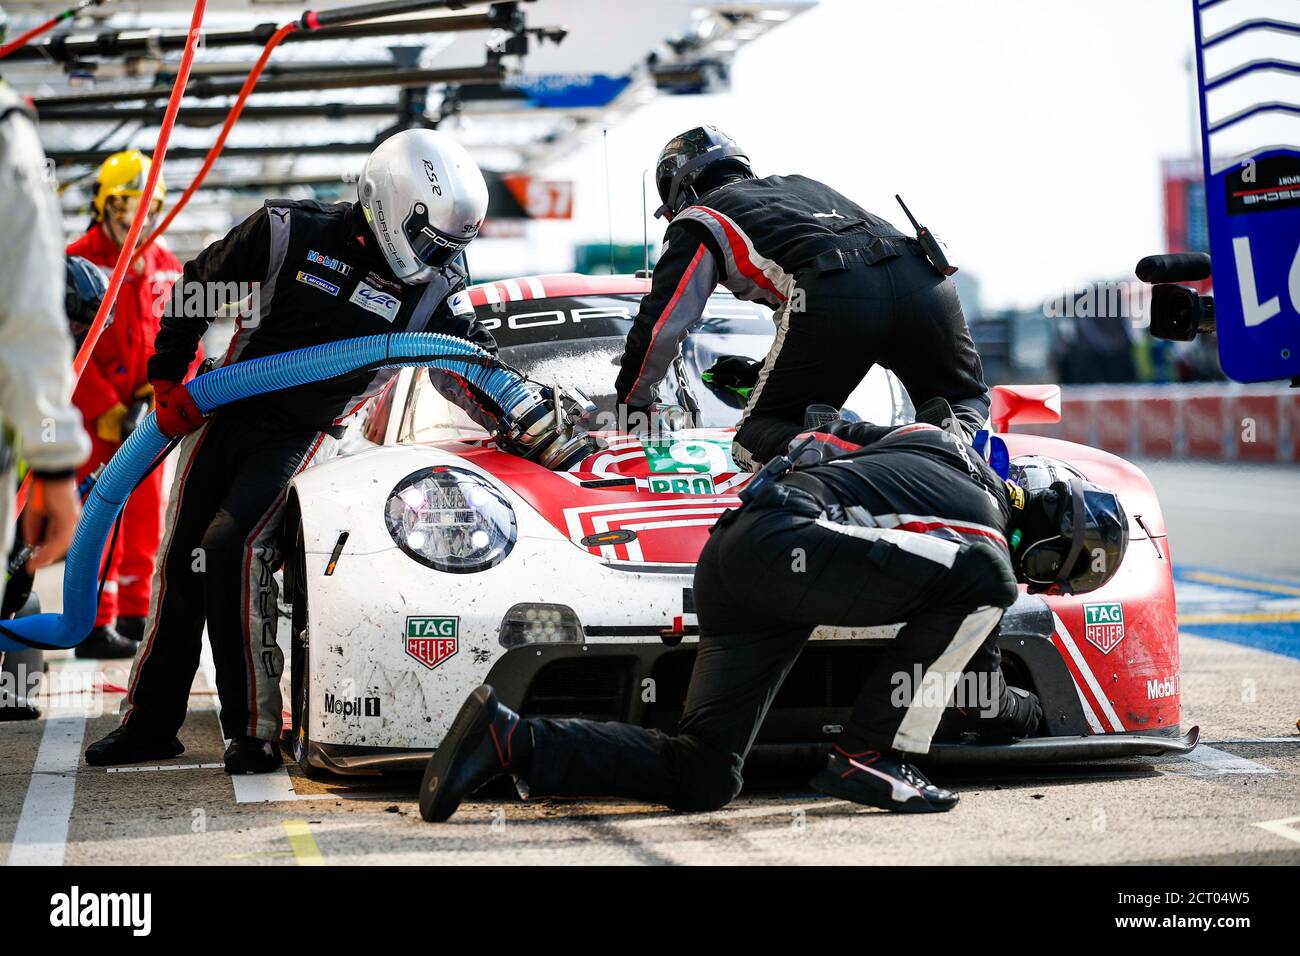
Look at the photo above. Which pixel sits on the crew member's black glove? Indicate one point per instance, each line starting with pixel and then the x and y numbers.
pixel 735 372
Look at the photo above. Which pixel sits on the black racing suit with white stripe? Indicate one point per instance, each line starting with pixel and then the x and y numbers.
pixel 320 278
pixel 909 527
pixel 850 291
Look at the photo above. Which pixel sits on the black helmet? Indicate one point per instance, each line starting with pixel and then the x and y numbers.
pixel 688 155
pixel 1067 538
pixel 84 291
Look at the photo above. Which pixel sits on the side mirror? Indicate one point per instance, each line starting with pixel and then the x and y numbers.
pixel 1025 405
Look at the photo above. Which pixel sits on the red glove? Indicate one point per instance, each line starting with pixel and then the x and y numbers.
pixel 176 412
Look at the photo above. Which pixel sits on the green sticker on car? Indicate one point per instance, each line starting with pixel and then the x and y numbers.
pixel 675 456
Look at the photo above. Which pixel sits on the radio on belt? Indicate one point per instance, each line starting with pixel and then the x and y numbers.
pixel 929 244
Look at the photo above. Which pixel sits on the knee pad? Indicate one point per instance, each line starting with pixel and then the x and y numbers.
pixel 708 780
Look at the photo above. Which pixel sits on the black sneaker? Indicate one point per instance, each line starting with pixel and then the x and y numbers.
pixel 479 747
pixel 126 746
pixel 132 628
pixel 251 755
pixel 105 644
pixel 881 779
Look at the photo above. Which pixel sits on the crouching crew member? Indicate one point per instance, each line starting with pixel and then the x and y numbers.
pixel 908 526
pixel 850 291
pixel 326 272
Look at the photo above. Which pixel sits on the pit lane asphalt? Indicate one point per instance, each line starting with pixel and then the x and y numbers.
pixel 1237 800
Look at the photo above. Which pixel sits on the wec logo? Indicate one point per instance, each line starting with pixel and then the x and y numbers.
pixel 373 300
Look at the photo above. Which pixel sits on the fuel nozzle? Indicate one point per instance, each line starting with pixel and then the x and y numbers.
pixel 547 428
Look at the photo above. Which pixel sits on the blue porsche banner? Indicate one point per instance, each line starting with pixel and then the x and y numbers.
pixel 1255 248
pixel 1253 207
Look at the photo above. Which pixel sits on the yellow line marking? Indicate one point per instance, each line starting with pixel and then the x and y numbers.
pixel 1240 617
pixel 1208 577
pixel 303 843
pixel 1282 828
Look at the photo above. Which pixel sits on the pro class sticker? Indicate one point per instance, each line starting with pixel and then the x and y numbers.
pixel 373 300
pixel 316 282
pixel 1103 625
pixel 432 640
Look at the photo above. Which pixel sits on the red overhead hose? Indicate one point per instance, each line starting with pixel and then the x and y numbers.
pixel 310 21
pixel 226 127
pixel 142 210
pixel 50 24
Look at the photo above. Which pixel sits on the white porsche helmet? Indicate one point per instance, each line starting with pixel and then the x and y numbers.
pixel 424 198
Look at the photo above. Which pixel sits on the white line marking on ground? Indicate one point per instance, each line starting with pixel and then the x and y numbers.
pixel 171 766
pixel 741 813
pixel 207 666
pixel 1284 828
pixel 42 835
pixel 1218 761
pixel 264 787
pixel 1253 740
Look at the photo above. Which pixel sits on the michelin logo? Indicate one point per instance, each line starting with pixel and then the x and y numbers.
pixel 316 282
pixel 373 300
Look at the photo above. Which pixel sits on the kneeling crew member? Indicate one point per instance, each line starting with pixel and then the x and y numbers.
pixel 327 272
pixel 912 527
pixel 850 291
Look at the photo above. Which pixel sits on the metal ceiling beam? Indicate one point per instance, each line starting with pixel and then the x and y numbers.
pixel 140 43
pixel 49 106
pixel 205 116
pixel 88 157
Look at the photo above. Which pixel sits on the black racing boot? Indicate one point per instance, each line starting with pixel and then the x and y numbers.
pixel 105 644
pixel 132 746
pixel 132 627
pixel 252 755
pixel 481 745
pixel 939 413
pixel 1019 714
pixel 14 707
pixel 881 779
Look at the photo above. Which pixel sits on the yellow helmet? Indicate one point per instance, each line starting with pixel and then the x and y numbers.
pixel 124 174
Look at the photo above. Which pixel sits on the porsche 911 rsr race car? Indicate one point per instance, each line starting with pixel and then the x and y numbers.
pixel 431 561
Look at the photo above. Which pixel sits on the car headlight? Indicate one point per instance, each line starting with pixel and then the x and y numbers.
pixel 450 519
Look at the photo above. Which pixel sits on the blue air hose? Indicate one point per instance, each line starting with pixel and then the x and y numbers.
pixel 221 387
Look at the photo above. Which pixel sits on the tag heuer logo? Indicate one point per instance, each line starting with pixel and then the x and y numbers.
pixel 1103 625
pixel 431 640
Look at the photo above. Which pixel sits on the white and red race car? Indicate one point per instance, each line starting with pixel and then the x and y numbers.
pixel 570 591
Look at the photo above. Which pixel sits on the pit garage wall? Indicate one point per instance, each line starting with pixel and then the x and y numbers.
pixel 1213 421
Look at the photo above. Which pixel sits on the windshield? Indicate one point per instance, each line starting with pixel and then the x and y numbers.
pixel 577 343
